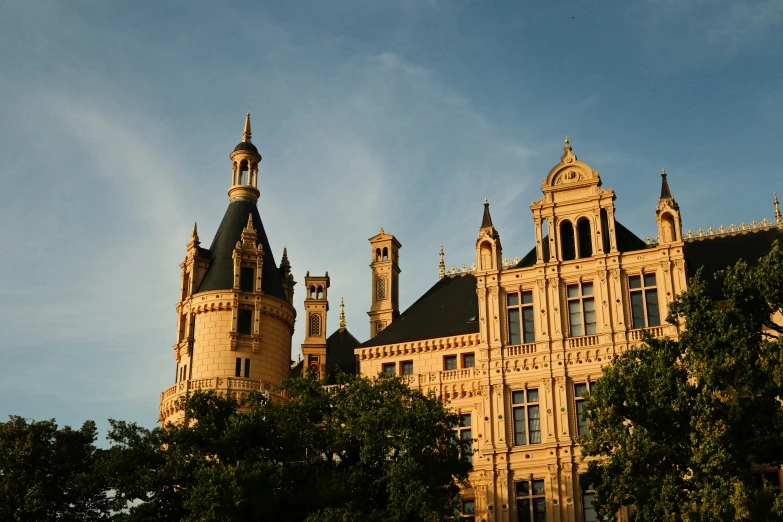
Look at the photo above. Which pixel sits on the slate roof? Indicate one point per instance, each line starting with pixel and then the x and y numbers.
pixel 246 145
pixel 339 355
pixel 450 307
pixel 220 273
pixel 718 253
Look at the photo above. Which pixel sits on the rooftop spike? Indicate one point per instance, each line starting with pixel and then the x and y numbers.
pixel 442 264
pixel 342 315
pixel 486 221
pixel 665 192
pixel 246 133
pixel 778 218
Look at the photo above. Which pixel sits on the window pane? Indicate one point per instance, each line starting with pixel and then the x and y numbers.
pixel 464 419
pixel 467 435
pixel 532 395
pixel 653 315
pixel 569 243
pixel 587 289
pixel 450 362
pixel 634 282
pixel 468 507
pixel 520 432
pixel 588 509
pixel 512 299
pixel 518 397
pixel 468 360
pixel 247 367
pixel 575 318
pixel 580 390
pixel 585 239
pixel 407 368
pixel 527 297
pixel 238 370
pixel 523 489
pixel 590 320
pixel 649 279
pixel 637 310
pixel 573 290
pixel 246 276
pixel 528 324
pixel 523 510
pixel 539 510
pixel 388 369
pixel 581 422
pixel 538 487
pixel 514 328
pixel 535 424
pixel 245 321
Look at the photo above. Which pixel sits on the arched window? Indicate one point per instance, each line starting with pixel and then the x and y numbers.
pixel 312 292
pixel 567 242
pixel 385 254
pixel 381 288
pixel 242 172
pixel 605 230
pixel 315 325
pixel 377 254
pixel 320 294
pixel 486 256
pixel 668 233
pixel 585 238
pixel 234 173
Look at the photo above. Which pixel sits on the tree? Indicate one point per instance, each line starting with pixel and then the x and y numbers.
pixel 681 428
pixel 367 450
pixel 46 473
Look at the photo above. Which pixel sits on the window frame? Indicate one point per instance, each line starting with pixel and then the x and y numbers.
pixel 403 368
pixel 465 432
pixel 580 301
pixel 581 426
pixel 247 276
pixel 526 320
pixel 532 497
pixel 447 359
pixel 465 358
pixel 241 323
pixel 644 291
pixel 524 407
pixel 385 369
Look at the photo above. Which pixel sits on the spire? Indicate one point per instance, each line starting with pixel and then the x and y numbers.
pixel 567 147
pixel 194 234
pixel 342 315
pixel 442 264
pixel 486 222
pixel 665 192
pixel 778 218
pixel 249 235
pixel 246 134
pixel 194 242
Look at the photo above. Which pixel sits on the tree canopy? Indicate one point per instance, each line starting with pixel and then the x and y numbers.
pixel 48 473
pixel 363 450
pixel 684 430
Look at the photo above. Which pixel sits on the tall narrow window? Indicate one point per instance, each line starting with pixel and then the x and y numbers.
pixel 245 321
pixel 581 309
pixel 465 432
pixel 605 234
pixel 527 417
pixel 521 326
pixel 580 393
pixel 177 374
pixel 406 368
pixel 247 367
pixel 531 501
pixel 585 239
pixel 588 509
pixel 381 288
pixel 246 278
pixel 238 368
pixel 315 325
pixel 567 241
pixel 186 286
pixel 644 301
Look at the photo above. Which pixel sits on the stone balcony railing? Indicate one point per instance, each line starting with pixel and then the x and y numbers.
pixel 655 331
pixel 583 341
pixel 235 387
pixel 520 349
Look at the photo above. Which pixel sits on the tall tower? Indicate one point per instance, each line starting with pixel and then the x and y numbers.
pixel 385 268
pixel 316 306
pixel 235 317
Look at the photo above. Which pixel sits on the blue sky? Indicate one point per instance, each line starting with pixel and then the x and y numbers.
pixel 117 118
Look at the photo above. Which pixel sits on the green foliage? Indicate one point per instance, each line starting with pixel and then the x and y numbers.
pixel 363 450
pixel 679 426
pixel 47 473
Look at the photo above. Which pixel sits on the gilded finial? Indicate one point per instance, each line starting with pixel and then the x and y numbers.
pixel 566 140
pixel 246 134
pixel 381 231
pixel 486 201
pixel 778 217
pixel 342 315
pixel 442 264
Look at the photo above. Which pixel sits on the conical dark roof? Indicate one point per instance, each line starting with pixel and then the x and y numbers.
pixel 220 273
pixel 665 192
pixel 486 220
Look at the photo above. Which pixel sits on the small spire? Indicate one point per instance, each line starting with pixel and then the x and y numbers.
pixel 665 192
pixel 246 134
pixel 566 140
pixel 567 147
pixel 442 264
pixel 194 234
pixel 778 218
pixel 250 222
pixel 381 231
pixel 342 315
pixel 194 242
pixel 285 253
pixel 486 221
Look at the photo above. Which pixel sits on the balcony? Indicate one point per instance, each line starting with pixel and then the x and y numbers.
pixel 520 349
pixel 584 341
pixel 235 387
pixel 654 331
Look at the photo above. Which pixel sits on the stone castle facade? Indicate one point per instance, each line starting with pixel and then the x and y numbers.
pixel 514 346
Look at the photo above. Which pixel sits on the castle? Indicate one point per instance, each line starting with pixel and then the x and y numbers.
pixel 513 345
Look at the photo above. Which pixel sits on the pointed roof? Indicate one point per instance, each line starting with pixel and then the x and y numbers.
pixel 486 221
pixel 220 273
pixel 665 192
pixel 246 143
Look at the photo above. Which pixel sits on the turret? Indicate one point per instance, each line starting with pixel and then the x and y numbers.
pixel 316 306
pixel 667 214
pixel 385 268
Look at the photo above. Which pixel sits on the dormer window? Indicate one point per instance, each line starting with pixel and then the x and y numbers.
pixel 567 241
pixel 585 238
